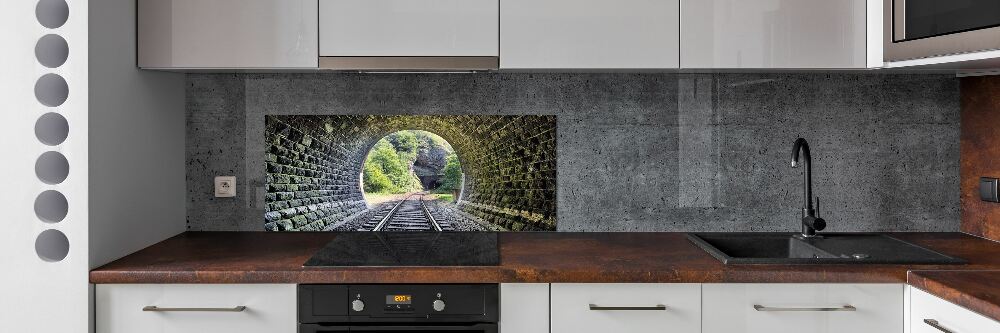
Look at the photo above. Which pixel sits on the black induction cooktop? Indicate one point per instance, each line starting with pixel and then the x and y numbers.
pixel 409 248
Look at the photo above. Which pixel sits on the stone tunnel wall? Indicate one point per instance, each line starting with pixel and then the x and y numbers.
pixel 311 182
pixel 314 165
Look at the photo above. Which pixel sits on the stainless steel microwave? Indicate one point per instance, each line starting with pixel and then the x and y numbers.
pixel 917 29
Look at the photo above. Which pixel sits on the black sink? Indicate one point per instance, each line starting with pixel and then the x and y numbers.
pixel 837 248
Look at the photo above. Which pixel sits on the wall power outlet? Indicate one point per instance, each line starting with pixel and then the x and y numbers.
pixel 225 186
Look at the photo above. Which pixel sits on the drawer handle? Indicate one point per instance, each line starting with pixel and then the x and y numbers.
pixel 769 308
pixel 595 307
pixel 934 323
pixel 159 309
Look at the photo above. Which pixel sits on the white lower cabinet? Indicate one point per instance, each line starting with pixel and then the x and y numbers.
pixel 524 307
pixel 187 308
pixel 803 308
pixel 569 308
pixel 930 314
pixel 627 307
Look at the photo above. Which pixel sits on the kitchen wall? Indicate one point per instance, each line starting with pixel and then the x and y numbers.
pixel 980 148
pixel 637 152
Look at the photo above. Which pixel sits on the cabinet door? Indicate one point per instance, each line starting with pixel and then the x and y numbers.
pixel 927 310
pixel 773 34
pixel 589 34
pixel 803 308
pixel 626 307
pixel 270 308
pixel 524 307
pixel 227 34
pixel 425 28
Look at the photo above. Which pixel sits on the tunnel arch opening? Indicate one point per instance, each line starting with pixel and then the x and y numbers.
pixel 408 161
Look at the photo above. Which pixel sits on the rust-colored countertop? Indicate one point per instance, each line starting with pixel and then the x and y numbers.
pixel 263 257
pixel 978 291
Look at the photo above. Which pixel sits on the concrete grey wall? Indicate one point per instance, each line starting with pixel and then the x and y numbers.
pixel 637 152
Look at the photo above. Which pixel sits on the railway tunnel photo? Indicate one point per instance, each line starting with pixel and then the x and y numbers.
pixel 410 173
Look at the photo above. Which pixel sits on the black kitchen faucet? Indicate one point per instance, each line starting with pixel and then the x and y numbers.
pixel 810 221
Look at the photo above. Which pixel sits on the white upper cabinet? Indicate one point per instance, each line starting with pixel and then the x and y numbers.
pixel 780 34
pixel 227 34
pixel 409 28
pixel 589 34
pixel 511 34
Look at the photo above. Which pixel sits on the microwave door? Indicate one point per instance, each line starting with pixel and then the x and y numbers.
pixel 915 29
pixel 917 19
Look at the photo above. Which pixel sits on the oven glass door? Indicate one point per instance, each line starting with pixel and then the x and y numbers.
pixel 473 328
pixel 931 18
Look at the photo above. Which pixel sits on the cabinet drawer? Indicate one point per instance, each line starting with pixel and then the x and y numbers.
pixel 633 308
pixel 803 308
pixel 946 315
pixel 269 308
pixel 389 28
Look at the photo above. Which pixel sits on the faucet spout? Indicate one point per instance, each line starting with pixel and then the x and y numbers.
pixel 802 146
pixel 810 222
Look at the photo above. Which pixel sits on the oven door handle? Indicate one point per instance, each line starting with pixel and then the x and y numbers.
pixel 313 328
pixel 413 327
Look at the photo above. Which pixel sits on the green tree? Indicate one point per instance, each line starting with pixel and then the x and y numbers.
pixel 384 162
pixel 452 179
pixel 406 143
pixel 376 181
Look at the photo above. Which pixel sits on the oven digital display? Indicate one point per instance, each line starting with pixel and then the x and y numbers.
pixel 398 299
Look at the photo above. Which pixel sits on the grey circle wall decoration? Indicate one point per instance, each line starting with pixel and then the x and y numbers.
pixel 52 13
pixel 51 90
pixel 52 245
pixel 51 128
pixel 51 206
pixel 51 51
pixel 52 167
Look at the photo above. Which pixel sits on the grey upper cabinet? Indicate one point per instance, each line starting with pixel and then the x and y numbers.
pixel 754 34
pixel 510 34
pixel 219 34
pixel 589 34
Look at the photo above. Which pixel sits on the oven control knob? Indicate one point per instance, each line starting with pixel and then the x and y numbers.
pixel 438 305
pixel 358 305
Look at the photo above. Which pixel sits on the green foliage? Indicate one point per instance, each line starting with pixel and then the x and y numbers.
pixel 406 144
pixel 444 197
pixel 388 171
pixel 376 181
pixel 452 179
pixel 430 139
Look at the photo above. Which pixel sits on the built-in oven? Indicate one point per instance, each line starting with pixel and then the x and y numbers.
pixel 916 29
pixel 378 308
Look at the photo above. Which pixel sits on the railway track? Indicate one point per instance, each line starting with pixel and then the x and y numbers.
pixel 409 214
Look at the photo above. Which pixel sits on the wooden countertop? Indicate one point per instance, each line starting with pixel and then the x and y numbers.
pixel 978 291
pixel 263 257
